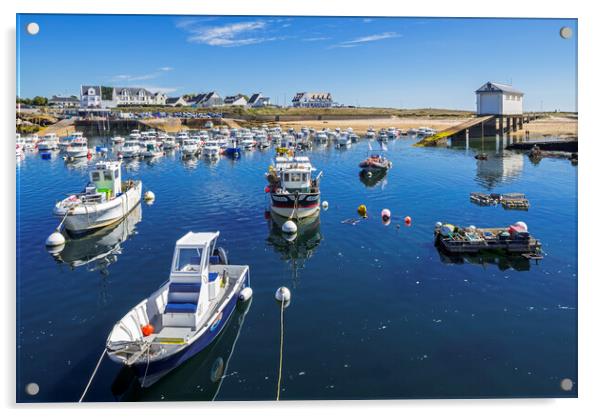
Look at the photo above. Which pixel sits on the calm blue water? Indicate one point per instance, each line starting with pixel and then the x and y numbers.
pixel 376 312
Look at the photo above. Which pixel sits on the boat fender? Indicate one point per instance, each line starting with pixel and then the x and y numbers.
pixel 221 253
pixel 148 329
pixel 55 239
pixel 149 196
pixel 245 294
pixel 283 295
pixel 289 227
pixel 362 211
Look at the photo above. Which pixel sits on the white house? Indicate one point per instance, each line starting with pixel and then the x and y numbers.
pixel 499 99
pixel 237 100
pixel 211 99
pixel 133 96
pixel 62 102
pixel 305 99
pixel 90 96
pixel 257 100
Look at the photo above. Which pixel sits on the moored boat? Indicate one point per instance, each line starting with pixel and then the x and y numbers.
pixel 130 149
pixel 184 315
pixel 78 148
pixel 375 163
pixel 105 200
pixel 293 191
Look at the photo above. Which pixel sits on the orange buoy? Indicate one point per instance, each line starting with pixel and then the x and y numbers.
pixel 408 220
pixel 362 211
pixel 267 189
pixel 148 330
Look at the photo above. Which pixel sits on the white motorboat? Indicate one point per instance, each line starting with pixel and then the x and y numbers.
pixel 185 315
pixel 426 131
pixel 130 148
pixel 49 142
pixel 78 148
pixel 190 147
pixel 211 149
pixel 321 137
pixel 105 200
pixel 169 142
pixel 383 136
pixel 343 140
pixel 117 140
pixel 151 149
pixel 392 133
pixel 66 141
pixel 293 192
pixel 181 137
pixel 247 141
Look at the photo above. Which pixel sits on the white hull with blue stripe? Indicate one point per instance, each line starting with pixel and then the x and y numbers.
pixel 184 315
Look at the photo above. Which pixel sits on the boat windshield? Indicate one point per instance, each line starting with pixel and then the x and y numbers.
pixel 189 260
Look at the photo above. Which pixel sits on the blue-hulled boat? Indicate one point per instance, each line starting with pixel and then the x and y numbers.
pixel 185 314
pixel 233 148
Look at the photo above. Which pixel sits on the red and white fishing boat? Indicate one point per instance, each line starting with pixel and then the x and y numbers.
pixel 293 191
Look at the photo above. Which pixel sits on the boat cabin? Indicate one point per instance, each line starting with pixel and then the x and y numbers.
pixel 191 285
pixel 294 173
pixel 106 179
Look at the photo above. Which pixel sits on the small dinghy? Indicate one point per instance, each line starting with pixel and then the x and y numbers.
pixel 375 163
pixel 185 314
pixel 105 200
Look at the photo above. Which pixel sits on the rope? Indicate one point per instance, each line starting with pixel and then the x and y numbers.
pixel 93 375
pixel 281 348
pixel 147 365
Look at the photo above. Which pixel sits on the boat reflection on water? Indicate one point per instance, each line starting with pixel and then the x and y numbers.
pixel 372 179
pixel 502 261
pixel 296 248
pixel 198 379
pixel 98 250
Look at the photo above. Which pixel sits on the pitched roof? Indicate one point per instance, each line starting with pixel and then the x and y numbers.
pixel 171 100
pixel 499 87
pixel 232 99
pixel 85 88
pixel 254 98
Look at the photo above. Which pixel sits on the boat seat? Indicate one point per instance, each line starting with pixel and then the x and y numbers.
pixel 180 308
pixel 184 287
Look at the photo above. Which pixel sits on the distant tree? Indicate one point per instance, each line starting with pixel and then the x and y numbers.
pixel 106 93
pixel 39 101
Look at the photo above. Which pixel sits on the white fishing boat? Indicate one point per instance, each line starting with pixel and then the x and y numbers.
pixel 78 148
pixel 343 140
pixel 185 314
pixel 293 191
pixel 247 141
pixel 130 148
pixel 49 142
pixel 190 147
pixel 66 141
pixel 105 200
pixel 426 131
pixel 392 133
pixel 181 136
pixel 383 136
pixel 211 149
pixel 116 140
pixel 262 141
pixel 169 142
pixel 151 149
pixel 370 134
pixel 135 134
pixel 321 137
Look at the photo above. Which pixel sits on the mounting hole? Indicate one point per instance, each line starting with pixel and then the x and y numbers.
pixel 566 32
pixel 32 388
pixel 566 384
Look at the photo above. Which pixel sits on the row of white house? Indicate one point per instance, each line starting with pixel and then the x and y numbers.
pixel 95 96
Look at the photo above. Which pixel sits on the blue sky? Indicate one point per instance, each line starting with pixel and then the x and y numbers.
pixel 390 62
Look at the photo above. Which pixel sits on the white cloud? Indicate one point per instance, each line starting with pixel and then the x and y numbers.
pixel 230 35
pixel 365 39
pixel 317 38
pixel 127 77
pixel 166 69
pixel 155 89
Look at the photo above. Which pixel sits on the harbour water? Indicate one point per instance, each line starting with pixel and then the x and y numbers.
pixel 377 311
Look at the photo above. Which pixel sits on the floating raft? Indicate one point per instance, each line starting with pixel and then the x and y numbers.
pixel 473 240
pixel 516 201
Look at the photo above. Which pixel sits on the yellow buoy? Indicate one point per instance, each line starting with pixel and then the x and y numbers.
pixel 362 211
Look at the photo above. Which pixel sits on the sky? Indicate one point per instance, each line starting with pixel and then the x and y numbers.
pixel 362 61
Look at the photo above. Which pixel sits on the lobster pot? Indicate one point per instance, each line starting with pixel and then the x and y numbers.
pixel 214 284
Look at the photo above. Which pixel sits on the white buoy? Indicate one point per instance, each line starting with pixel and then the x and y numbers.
pixel 245 294
pixel 325 205
pixel 289 227
pixel 438 225
pixel 55 239
pixel 149 196
pixel 283 294
pixel 369 174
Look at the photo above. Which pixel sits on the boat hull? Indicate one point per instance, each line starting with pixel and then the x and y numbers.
pixel 150 372
pixel 84 219
pixel 295 205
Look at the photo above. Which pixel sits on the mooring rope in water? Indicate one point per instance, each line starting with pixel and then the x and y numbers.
pixel 147 365
pixel 93 375
pixel 281 348
pixel 58 228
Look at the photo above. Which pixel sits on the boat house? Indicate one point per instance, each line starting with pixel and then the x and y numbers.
pixel 499 99
pixel 305 99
